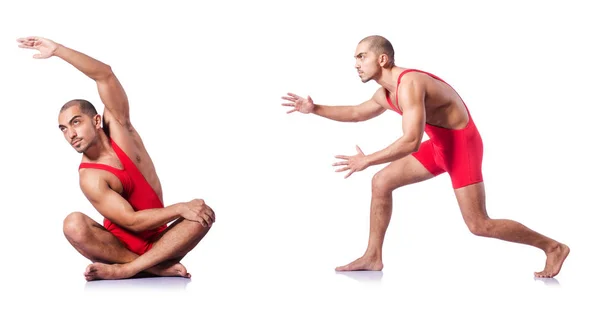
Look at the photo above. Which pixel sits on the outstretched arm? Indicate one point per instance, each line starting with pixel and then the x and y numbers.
pixel 111 92
pixel 412 99
pixel 365 111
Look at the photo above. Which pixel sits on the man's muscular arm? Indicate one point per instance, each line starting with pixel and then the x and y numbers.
pixel 412 98
pixel 110 89
pixel 355 113
pixel 115 208
pixel 365 111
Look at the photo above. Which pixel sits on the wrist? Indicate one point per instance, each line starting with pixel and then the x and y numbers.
pixel 58 50
pixel 178 209
pixel 369 160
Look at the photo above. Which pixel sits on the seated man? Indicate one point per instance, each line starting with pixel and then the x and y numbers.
pixel 118 178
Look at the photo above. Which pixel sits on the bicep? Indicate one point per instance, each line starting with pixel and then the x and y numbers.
pixel 106 201
pixel 412 99
pixel 114 98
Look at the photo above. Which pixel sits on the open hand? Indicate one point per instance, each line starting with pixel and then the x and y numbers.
pixel 303 105
pixel 45 47
pixel 354 163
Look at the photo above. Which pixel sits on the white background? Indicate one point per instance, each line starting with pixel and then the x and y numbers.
pixel 204 85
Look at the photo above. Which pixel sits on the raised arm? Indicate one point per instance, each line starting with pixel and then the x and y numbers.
pixel 412 98
pixel 365 111
pixel 111 92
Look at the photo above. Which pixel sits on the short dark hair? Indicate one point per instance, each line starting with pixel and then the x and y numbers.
pixel 381 45
pixel 85 106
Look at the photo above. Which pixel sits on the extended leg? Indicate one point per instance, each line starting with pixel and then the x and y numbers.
pixel 471 200
pixel 175 243
pixel 95 243
pixel 405 171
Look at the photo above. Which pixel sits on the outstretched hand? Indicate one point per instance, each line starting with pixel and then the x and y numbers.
pixel 45 47
pixel 354 163
pixel 300 104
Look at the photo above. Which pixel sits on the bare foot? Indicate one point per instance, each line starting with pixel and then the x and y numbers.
pixel 365 263
pixel 97 271
pixel 172 269
pixel 554 260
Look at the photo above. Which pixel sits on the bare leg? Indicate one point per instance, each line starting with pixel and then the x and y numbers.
pixel 471 200
pixel 405 171
pixel 95 243
pixel 175 242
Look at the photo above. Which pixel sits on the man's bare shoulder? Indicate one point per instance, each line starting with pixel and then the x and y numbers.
pixel 380 97
pixel 416 78
pixel 90 179
pixel 95 182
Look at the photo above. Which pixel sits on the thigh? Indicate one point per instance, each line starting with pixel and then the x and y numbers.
pixel 471 201
pixel 417 167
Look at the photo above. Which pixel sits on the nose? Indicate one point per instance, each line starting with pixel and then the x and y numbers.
pixel 72 133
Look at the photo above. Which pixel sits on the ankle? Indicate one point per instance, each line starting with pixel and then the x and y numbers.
pixel 551 247
pixel 373 254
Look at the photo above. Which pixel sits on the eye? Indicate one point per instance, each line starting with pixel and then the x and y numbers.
pixel 75 122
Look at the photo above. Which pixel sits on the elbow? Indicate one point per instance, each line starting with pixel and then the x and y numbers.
pixel 414 145
pixel 105 73
pixel 132 224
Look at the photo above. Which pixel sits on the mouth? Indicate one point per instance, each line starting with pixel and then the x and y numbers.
pixel 75 142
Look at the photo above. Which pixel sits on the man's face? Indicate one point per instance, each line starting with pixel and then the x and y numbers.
pixel 366 62
pixel 79 129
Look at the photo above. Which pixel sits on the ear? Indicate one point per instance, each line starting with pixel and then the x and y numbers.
pixel 97 120
pixel 383 60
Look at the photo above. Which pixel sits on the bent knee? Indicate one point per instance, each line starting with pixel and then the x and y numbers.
pixel 196 227
pixel 382 183
pixel 74 226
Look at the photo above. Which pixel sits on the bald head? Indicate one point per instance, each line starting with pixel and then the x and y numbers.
pixel 380 45
pixel 84 106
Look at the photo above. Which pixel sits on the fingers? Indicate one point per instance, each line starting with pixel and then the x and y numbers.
pixel 341 163
pixel 288 104
pixel 289 98
pixel 210 214
pixel 206 220
pixel 349 174
pixel 342 169
pixel 291 111
pixel 342 157
pixel 359 150
pixel 28 41
pixel 213 215
pixel 293 95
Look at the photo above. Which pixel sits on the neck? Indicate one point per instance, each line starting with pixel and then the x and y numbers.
pixel 389 78
pixel 100 148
